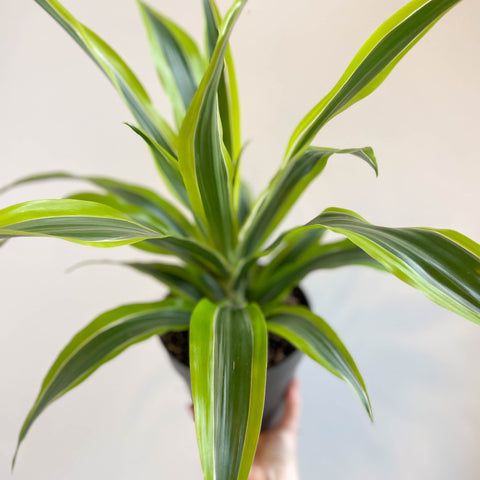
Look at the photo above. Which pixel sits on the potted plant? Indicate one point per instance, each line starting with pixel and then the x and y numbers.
pixel 232 284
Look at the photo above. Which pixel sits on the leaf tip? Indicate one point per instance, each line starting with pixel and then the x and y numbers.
pixel 370 412
pixel 373 159
pixel 14 459
pixel 142 5
pixel 365 399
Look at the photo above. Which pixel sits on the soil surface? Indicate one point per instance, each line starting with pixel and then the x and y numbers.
pixel 177 345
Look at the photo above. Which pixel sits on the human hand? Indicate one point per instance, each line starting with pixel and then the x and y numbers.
pixel 276 455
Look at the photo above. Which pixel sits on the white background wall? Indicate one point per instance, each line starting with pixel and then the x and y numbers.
pixel 420 362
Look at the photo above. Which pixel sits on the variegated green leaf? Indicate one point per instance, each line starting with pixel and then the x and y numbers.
pixel 212 23
pixel 228 98
pixel 78 221
pixel 178 61
pixel 132 211
pixel 370 66
pixel 102 340
pixel 228 361
pixel 311 334
pixel 190 251
pixel 166 217
pixel 206 170
pixel 442 264
pixel 117 72
pixel 100 225
pixel 285 188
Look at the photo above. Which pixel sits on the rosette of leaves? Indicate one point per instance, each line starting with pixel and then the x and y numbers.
pixel 232 271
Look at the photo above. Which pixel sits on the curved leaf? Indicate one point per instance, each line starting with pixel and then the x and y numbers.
pixel 228 99
pixel 285 188
pixel 442 264
pixel 103 339
pixel 167 217
pixel 188 250
pixel 311 334
pixel 99 225
pixel 133 212
pixel 206 170
pixel 117 72
pixel 370 66
pixel 79 221
pixel 177 59
pixel 228 361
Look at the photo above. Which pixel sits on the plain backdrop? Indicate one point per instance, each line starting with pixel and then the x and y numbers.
pixel 420 362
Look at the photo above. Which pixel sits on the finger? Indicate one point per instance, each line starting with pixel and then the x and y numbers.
pixel 291 415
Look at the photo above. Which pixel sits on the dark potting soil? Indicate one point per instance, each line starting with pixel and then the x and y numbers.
pixel 177 345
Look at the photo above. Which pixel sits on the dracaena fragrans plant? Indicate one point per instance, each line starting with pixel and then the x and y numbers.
pixel 232 273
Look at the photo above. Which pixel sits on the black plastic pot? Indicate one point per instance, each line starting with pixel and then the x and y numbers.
pixel 278 377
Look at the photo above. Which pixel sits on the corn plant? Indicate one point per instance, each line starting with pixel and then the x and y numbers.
pixel 227 267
